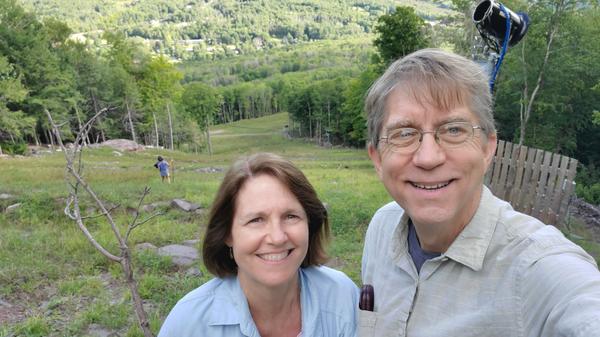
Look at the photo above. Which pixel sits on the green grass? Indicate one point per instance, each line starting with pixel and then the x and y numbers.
pixel 50 269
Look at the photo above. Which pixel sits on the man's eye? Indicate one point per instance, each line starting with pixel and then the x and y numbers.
pixel 404 134
pixel 455 130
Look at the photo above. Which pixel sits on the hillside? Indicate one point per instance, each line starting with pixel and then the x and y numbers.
pixel 53 283
pixel 195 29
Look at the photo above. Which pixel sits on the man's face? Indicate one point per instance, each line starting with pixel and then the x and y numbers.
pixel 436 186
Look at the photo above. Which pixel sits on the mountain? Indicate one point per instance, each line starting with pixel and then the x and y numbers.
pixel 201 29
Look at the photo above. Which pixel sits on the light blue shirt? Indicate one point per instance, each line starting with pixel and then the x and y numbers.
pixel 218 308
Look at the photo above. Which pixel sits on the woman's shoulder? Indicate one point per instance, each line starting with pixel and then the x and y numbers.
pixel 196 306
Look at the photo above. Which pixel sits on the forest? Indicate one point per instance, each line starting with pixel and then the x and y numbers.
pixel 164 72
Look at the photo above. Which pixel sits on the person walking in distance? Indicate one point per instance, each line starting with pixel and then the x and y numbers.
pixel 163 167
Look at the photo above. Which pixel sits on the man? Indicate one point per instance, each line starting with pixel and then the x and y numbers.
pixel 448 258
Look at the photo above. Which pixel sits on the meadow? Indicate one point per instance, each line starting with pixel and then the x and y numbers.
pixel 53 283
pixel 56 284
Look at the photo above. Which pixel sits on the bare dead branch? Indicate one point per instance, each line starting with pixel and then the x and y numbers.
pixel 73 203
pixel 89 236
pixel 135 225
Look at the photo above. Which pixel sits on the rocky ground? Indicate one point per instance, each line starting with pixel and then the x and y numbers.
pixel 589 215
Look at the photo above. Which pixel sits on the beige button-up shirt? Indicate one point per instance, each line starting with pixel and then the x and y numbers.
pixel 506 274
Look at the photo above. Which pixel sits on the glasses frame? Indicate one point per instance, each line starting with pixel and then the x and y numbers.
pixel 444 145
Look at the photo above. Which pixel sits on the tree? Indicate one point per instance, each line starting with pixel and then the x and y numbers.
pixel 13 123
pixel 202 102
pixel 550 15
pixel 160 87
pixel 399 33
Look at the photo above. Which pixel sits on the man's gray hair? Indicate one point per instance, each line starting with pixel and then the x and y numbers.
pixel 432 76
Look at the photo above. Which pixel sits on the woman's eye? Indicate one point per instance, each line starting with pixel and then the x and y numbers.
pixel 255 220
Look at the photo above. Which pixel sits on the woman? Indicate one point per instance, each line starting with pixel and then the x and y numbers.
pixel 265 243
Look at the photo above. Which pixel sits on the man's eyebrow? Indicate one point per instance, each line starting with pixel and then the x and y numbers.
pixel 399 124
pixel 454 119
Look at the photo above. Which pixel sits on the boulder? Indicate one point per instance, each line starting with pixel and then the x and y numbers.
pixel 123 145
pixel 183 256
pixel 146 246
pixel 184 205
pixel 12 208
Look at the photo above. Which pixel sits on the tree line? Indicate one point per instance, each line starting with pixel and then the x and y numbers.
pixel 546 94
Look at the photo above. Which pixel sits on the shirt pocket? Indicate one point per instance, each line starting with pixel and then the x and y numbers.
pixel 366 323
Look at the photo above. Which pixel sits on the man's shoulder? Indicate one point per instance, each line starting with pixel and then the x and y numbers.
pixel 386 218
pixel 390 207
pixel 534 239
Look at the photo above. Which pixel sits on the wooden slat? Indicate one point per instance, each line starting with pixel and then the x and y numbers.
pixel 533 182
pixel 497 165
pixel 569 187
pixel 524 203
pixel 546 205
pixel 501 182
pixel 512 172
pixel 517 189
pixel 541 186
pixel 558 190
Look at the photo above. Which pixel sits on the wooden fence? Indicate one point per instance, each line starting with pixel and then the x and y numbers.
pixel 535 182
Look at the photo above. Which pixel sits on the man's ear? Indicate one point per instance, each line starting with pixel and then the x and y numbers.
pixel 375 158
pixel 490 150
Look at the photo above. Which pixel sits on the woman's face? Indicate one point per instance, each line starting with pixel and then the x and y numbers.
pixel 269 233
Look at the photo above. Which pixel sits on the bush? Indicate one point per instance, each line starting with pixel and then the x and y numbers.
pixel 14 148
pixel 590 193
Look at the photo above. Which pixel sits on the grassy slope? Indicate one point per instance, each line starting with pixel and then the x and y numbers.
pixel 48 269
pixel 46 262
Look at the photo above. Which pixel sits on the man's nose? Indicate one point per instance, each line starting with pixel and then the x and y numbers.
pixel 430 153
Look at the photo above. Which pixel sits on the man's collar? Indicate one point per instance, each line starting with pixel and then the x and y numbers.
pixel 470 246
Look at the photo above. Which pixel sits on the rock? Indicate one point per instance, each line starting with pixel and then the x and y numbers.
pixel 184 205
pixel 146 246
pixel 194 271
pixel 123 145
pixel 183 256
pixel 117 153
pixel 5 196
pixel 12 208
pixel 191 243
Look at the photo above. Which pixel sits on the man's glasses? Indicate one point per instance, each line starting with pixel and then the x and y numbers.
pixel 449 135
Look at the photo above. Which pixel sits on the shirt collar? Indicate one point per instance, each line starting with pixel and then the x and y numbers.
pixel 471 245
pixel 230 306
